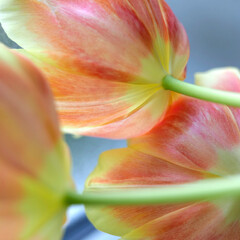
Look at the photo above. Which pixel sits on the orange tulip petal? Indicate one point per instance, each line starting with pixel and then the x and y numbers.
pixel 34 166
pixel 49 25
pixel 128 168
pixel 171 46
pixel 116 109
pixel 184 138
pixel 195 222
pixel 104 59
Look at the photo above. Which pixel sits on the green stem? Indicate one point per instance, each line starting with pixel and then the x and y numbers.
pixel 203 190
pixel 204 93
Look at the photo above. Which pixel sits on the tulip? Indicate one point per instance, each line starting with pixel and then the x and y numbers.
pixel 34 161
pixel 105 60
pixel 197 141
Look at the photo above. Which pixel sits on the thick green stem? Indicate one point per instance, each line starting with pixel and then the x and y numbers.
pixel 199 191
pixel 207 94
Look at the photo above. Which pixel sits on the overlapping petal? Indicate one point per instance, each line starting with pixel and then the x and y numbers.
pixel 227 78
pixel 105 60
pixel 34 161
pixel 196 140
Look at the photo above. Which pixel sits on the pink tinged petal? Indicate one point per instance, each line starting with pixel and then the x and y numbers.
pixel 195 222
pixel 190 136
pixel 98 23
pixel 227 79
pixel 125 219
pixel 179 44
pixel 171 46
pixel 81 64
pixel 33 159
pixel 128 168
pixel 231 232
pixel 24 30
pixel 93 39
pixel 20 122
pixel 10 194
pixel 116 109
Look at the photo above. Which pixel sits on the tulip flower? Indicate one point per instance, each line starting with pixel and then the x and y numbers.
pixel 34 161
pixel 196 140
pixel 105 60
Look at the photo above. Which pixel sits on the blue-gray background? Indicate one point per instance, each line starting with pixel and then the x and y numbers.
pixel 213 27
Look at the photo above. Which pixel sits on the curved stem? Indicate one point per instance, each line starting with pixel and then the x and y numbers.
pixel 207 94
pixel 198 191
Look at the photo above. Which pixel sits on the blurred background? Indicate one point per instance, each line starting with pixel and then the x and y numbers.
pixel 213 28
